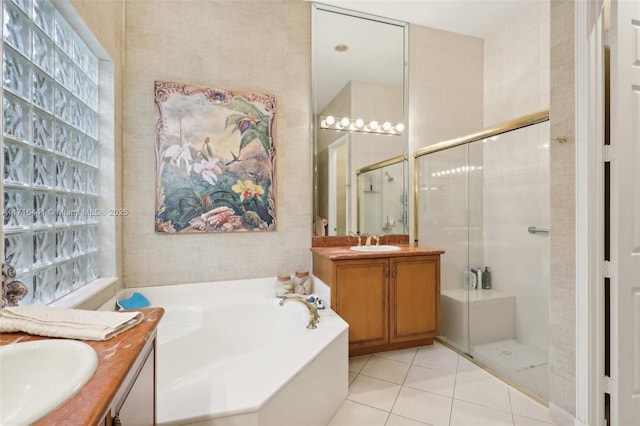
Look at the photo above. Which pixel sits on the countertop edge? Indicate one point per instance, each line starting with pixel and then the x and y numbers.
pixel 345 253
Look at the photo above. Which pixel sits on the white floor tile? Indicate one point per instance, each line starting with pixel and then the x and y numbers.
pixel 522 405
pixel 356 363
pixel 353 414
pixel 525 421
pixel 431 380
pixel 437 357
pixel 352 377
pixel 468 414
pixel 402 355
pixel 469 369
pixel 373 392
pixel 483 392
pixel 423 406
pixel 386 369
pixel 432 385
pixel 395 420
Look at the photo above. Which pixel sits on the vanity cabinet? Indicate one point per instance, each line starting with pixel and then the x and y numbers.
pixel 414 296
pixel 389 302
pixel 361 297
pixel 135 401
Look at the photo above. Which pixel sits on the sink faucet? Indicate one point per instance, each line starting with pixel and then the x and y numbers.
pixel 372 237
pixel 356 235
pixel 314 317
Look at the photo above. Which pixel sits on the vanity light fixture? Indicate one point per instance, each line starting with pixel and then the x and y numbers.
pixel 359 125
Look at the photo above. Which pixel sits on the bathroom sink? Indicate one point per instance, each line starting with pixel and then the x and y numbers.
pixel 38 376
pixel 375 249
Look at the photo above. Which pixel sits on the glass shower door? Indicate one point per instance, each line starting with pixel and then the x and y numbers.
pixel 445 189
pixel 486 203
pixel 508 325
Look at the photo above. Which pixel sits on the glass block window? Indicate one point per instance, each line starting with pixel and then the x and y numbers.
pixel 50 151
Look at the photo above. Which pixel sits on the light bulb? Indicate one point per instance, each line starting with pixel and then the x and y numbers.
pixel 330 120
pixel 345 122
pixel 373 125
pixel 386 126
pixel 359 123
pixel 399 127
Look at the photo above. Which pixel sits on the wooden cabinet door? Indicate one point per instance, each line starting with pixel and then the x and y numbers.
pixel 414 298
pixel 362 290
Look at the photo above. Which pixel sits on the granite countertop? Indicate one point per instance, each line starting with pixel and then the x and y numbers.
pixel 345 253
pixel 116 356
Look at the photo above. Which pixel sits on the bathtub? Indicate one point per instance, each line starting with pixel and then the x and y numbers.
pixel 228 354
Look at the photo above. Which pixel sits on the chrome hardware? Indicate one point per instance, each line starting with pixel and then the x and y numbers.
pixel 314 317
pixel 533 230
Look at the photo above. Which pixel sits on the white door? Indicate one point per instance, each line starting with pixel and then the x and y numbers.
pixel 625 213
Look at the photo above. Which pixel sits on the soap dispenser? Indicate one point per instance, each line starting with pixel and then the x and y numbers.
pixel 486 278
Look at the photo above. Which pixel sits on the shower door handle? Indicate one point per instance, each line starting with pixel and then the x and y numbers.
pixel 533 230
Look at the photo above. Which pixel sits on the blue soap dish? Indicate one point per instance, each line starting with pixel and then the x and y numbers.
pixel 135 301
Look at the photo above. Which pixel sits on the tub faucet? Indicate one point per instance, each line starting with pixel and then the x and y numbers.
pixel 314 317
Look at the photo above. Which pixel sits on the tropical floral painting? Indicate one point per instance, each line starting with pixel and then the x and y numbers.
pixel 215 158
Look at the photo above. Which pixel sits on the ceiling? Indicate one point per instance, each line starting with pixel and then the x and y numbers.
pixel 373 53
pixel 478 18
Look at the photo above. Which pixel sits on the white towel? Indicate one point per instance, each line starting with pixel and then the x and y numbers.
pixel 68 323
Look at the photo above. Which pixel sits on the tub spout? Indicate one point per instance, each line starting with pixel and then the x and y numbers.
pixel 314 317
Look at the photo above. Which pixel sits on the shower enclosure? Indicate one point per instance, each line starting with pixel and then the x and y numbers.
pixel 484 199
pixel 382 204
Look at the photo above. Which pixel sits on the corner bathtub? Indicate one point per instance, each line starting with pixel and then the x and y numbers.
pixel 228 354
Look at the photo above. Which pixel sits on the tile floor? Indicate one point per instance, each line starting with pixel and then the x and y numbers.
pixel 431 385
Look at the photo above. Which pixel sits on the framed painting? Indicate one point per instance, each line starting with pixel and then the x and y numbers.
pixel 215 160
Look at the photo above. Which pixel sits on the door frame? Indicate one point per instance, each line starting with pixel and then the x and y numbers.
pixel 589 216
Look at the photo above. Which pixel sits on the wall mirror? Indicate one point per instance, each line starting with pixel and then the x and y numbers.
pixel 360 113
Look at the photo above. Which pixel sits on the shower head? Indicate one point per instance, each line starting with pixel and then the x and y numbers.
pixel 389 177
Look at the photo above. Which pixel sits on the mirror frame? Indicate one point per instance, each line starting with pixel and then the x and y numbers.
pixel 315 8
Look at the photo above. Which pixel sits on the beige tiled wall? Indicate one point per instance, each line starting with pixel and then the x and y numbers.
pixel 562 238
pixel 226 44
pixel 516 67
pixel 445 85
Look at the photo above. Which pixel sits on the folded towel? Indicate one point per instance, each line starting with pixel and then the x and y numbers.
pixel 68 323
pixel 135 301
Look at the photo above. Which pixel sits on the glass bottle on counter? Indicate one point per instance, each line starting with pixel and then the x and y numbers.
pixel 302 283
pixel 284 286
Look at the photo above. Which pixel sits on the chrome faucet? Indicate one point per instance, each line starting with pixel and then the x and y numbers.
pixel 314 317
